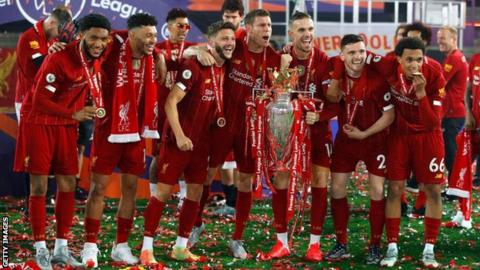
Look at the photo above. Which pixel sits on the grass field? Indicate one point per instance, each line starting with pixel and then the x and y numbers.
pixel 456 248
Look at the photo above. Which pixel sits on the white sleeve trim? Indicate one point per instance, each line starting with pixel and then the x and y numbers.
pixel 36 55
pixel 181 86
pixel 50 88
pixel 388 107
pixel 437 103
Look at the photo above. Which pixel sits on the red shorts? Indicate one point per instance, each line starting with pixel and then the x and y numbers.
pixel 51 148
pixel 173 162
pixel 222 141
pixel 348 152
pixel 321 146
pixel 421 153
pixel 105 156
pixel 20 149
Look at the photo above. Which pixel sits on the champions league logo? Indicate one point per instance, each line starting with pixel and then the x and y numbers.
pixel 35 10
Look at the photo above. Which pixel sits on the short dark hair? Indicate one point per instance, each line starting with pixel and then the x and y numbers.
pixel 141 19
pixel 299 16
pixel 215 27
pixel 250 17
pixel 232 6
pixel 350 39
pixel 425 30
pixel 175 13
pixel 94 20
pixel 62 13
pixel 409 43
pixel 401 26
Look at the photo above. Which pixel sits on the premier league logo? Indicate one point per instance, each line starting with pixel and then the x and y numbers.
pixel 34 10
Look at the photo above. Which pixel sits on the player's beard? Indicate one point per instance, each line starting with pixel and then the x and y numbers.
pixel 87 51
pixel 220 53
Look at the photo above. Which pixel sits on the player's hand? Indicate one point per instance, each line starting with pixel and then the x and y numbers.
pixel 287 48
pixel 205 58
pixel 312 117
pixel 161 68
pixel 353 132
pixel 419 82
pixel 56 47
pixel 184 143
pixel 87 113
pixel 469 121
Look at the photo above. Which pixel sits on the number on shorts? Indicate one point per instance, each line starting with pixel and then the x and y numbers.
pixel 434 167
pixel 381 158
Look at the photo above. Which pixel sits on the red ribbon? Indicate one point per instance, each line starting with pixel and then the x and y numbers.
pixel 94 80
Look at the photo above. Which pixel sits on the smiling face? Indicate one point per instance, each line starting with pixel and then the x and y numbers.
pixel 95 41
pixel 143 39
pixel 411 61
pixel 178 29
pixel 260 31
pixel 223 43
pixel 354 55
pixel 446 40
pixel 301 34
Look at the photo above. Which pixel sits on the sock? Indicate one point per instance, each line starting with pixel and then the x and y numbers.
pixel 37 213
pixel 279 206
pixel 201 206
pixel 392 246
pixel 152 215
pixel 124 227
pixel 64 210
pixel 314 239
pixel 147 243
pixel 185 222
pixel 58 244
pixel 428 248
pixel 92 227
pixel 421 200
pixel 242 211
pixel 392 226
pixel 230 194
pixel 183 189
pixel 340 214
pixel 318 210
pixel 432 227
pixel 153 189
pixel 39 244
pixel 181 242
pixel 377 220
pixel 283 237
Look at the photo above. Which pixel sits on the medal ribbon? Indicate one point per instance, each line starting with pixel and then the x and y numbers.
pixel 251 66
pixel 218 89
pixel 94 82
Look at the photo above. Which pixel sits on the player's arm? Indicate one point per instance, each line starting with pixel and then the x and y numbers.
pixel 47 84
pixel 429 107
pixel 201 53
pixel 174 97
pixel 383 122
pixel 337 71
pixel 28 50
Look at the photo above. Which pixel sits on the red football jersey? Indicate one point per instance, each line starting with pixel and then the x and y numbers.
pixel 318 82
pixel 240 80
pixel 412 115
pixel 172 52
pixel 455 71
pixel 109 67
pixel 60 88
pixel 197 110
pixel 32 46
pixel 241 33
pixel 372 96
pixel 474 69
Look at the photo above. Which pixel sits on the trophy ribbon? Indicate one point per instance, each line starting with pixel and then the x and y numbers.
pixel 94 83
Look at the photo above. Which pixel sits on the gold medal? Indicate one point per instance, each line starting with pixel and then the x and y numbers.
pixel 221 122
pixel 100 112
